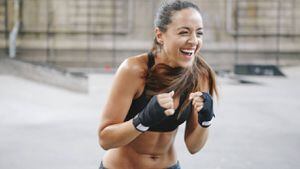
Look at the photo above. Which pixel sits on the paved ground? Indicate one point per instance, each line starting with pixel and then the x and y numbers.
pixel 257 125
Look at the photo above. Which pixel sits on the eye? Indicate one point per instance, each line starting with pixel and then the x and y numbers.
pixel 183 33
pixel 199 33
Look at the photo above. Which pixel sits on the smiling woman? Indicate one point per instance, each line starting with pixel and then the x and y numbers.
pixel 182 38
pixel 170 85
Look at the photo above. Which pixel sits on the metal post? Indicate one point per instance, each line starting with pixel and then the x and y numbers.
pixel 236 37
pixel 47 32
pixel 14 33
pixel 294 20
pixel 50 32
pixel 88 37
pixel 6 26
pixel 278 31
pixel 114 24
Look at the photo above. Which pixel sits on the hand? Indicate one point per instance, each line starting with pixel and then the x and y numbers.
pixel 203 104
pixel 166 101
pixel 157 109
pixel 197 101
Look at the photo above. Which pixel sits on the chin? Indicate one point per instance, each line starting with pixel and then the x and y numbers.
pixel 185 64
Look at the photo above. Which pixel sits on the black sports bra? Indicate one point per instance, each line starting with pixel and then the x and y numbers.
pixel 170 123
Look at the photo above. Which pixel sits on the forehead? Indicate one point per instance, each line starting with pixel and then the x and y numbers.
pixel 186 18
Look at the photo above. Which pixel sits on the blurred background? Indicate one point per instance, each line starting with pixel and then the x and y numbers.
pixel 58 57
pixel 81 35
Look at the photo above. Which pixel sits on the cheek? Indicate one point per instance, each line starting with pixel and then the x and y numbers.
pixel 200 42
pixel 173 45
pixel 178 43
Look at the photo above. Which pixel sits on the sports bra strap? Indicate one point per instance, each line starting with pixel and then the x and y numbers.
pixel 151 60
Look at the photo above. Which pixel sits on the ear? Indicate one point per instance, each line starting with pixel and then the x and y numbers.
pixel 158 35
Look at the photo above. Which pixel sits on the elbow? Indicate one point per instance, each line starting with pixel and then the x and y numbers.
pixel 193 150
pixel 103 145
pixel 193 147
pixel 103 141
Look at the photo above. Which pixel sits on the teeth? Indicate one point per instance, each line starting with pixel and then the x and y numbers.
pixel 189 52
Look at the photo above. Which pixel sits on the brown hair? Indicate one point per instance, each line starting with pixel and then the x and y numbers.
pixel 164 16
pixel 163 78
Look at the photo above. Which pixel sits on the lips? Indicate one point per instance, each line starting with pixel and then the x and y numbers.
pixel 188 53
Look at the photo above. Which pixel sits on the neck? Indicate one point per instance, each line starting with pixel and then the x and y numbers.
pixel 161 57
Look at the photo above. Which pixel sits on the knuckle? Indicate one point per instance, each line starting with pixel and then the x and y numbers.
pixel 164 105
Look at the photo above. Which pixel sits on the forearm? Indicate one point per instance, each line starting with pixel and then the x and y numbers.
pixel 197 127
pixel 117 135
pixel 196 139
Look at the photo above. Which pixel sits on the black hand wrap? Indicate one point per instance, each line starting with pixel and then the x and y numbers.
pixel 152 114
pixel 206 114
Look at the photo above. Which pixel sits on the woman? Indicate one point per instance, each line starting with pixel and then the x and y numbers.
pixel 154 93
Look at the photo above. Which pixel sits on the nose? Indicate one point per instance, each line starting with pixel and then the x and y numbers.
pixel 193 39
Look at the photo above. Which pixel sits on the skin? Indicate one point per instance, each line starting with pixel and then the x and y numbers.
pixel 128 148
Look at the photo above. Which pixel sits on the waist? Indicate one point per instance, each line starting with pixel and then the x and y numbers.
pixel 175 166
pixel 127 157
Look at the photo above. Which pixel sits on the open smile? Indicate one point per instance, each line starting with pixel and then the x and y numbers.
pixel 187 53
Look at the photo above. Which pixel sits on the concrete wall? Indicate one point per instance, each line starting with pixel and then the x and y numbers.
pixel 77 33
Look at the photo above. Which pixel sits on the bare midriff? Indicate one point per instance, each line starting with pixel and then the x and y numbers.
pixel 149 150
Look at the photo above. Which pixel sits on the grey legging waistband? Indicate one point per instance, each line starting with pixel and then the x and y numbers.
pixel 175 166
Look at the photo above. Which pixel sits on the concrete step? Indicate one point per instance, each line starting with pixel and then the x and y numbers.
pixel 45 73
pixel 96 59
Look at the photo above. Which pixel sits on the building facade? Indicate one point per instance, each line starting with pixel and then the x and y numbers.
pixel 96 33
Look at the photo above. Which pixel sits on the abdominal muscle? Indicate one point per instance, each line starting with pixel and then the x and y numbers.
pixel 150 150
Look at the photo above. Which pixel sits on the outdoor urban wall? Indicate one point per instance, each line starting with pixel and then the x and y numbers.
pixel 93 33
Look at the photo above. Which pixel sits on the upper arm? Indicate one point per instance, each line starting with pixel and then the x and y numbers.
pixel 126 84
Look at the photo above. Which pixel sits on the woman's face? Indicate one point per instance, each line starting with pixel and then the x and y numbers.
pixel 183 38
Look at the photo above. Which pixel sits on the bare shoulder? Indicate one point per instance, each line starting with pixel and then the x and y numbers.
pixel 133 70
pixel 134 65
pixel 130 76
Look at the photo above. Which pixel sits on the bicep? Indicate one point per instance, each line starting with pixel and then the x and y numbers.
pixel 120 97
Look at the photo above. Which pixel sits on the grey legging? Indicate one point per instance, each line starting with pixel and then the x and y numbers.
pixel 175 166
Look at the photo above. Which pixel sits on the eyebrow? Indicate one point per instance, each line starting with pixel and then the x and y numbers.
pixel 184 27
